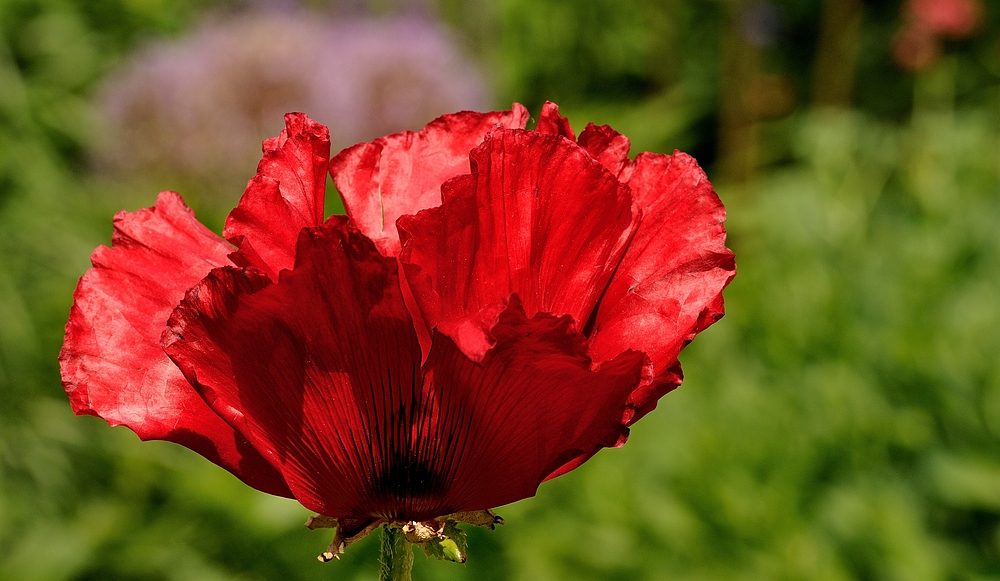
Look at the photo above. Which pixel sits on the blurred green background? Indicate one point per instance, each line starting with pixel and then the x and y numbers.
pixel 841 422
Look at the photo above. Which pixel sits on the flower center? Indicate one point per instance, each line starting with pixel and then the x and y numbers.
pixel 405 482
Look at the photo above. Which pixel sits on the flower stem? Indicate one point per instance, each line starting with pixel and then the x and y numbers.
pixel 397 556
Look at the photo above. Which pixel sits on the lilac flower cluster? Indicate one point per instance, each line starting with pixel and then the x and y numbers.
pixel 199 106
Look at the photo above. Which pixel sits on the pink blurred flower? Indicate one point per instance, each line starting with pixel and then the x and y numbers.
pixel 951 18
pixel 917 45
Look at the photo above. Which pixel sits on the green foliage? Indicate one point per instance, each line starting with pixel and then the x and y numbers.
pixel 841 422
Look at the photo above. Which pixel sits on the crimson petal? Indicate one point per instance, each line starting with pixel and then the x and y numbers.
pixel 538 217
pixel 331 390
pixel 305 368
pixel 532 407
pixel 285 196
pixel 111 361
pixel 402 173
pixel 669 284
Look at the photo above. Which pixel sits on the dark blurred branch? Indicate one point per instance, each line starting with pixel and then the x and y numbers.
pixel 837 53
pixel 737 121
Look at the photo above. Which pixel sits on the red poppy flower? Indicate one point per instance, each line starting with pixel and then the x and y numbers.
pixel 497 306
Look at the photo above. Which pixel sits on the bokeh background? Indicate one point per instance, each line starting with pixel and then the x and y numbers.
pixel 842 422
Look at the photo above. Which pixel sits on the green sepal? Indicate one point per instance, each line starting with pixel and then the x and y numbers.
pixel 451 546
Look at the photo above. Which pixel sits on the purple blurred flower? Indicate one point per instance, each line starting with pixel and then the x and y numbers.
pixel 197 106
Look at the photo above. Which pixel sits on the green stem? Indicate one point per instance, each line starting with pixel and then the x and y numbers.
pixel 397 556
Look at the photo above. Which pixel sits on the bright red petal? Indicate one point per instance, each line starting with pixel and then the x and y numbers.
pixel 537 217
pixel 111 362
pixel 608 147
pixel 402 173
pixel 669 284
pixel 316 370
pixel 550 121
pixel 285 196
pixel 602 142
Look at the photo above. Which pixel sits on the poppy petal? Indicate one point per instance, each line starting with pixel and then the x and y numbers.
pixel 669 284
pixel 550 121
pixel 111 361
pixel 285 196
pixel 538 216
pixel 305 368
pixel 402 173
pixel 331 390
pixel 608 147
pixel 602 142
pixel 530 406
